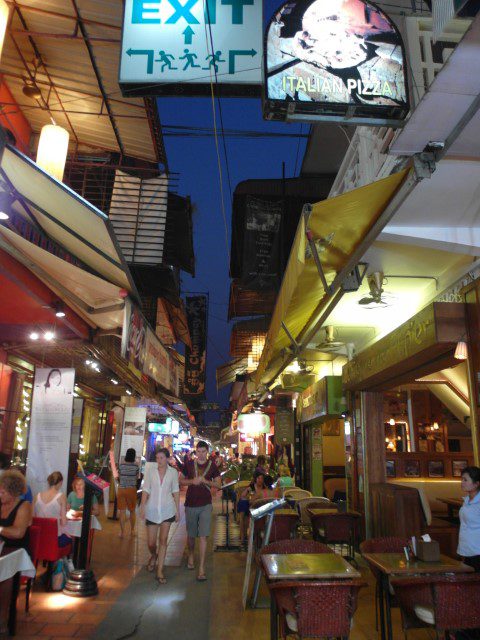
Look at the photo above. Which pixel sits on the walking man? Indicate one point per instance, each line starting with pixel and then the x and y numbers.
pixel 200 476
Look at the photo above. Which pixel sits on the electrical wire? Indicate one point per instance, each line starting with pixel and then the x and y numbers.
pixel 220 173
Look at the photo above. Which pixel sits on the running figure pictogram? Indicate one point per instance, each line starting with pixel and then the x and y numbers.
pixel 166 58
pixel 189 57
pixel 215 57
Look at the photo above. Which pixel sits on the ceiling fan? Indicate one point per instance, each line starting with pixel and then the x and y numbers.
pixel 377 297
pixel 329 343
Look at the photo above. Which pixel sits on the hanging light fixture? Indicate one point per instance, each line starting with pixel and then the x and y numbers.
pixel 392 421
pixel 461 352
pixel 4 11
pixel 52 150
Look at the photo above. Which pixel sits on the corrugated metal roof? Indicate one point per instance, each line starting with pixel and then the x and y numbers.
pixel 51 33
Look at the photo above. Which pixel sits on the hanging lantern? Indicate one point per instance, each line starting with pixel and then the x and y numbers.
pixel 461 352
pixel 4 10
pixel 52 150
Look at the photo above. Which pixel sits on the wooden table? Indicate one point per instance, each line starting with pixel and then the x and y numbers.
pixel 303 566
pixel 395 564
pixel 14 564
pixel 453 504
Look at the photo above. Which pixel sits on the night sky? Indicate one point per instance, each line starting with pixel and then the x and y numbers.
pixel 195 159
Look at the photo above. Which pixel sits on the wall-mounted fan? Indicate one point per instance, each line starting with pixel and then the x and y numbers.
pixel 377 297
pixel 330 342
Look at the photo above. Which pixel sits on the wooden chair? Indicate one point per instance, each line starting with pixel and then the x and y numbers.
pixel 448 602
pixel 316 609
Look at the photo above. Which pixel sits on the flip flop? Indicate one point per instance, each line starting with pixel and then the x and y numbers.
pixel 151 564
pixel 161 580
pixel 191 567
pixel 201 577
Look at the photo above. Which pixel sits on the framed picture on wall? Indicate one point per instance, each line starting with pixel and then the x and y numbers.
pixel 331 428
pixel 412 468
pixel 436 469
pixel 458 466
pixel 390 469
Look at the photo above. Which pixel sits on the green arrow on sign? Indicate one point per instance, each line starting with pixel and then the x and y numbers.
pixel 188 33
pixel 238 52
pixel 143 52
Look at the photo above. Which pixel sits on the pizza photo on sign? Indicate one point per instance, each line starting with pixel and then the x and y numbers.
pixel 337 52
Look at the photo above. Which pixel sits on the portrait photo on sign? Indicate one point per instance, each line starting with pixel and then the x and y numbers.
pixel 133 428
pixel 335 51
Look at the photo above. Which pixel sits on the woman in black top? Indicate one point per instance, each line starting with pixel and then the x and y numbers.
pixel 15 513
pixel 15 519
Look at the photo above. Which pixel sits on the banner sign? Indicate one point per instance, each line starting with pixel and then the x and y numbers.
pixel 195 358
pixel 261 249
pixel 334 58
pixel 133 432
pixel 144 351
pixel 50 426
pixel 169 47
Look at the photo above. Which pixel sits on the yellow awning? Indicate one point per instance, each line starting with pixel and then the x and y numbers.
pixel 340 224
pixel 226 373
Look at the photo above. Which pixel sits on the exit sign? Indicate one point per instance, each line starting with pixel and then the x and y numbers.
pixel 172 47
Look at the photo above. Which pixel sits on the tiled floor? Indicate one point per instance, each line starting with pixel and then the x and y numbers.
pixel 117 561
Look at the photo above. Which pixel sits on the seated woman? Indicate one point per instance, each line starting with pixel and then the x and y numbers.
pixel 259 489
pixel 52 503
pixel 15 519
pixel 284 479
pixel 76 499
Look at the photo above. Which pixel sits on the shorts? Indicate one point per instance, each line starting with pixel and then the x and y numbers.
pixel 243 506
pixel 127 498
pixel 64 540
pixel 198 520
pixel 157 524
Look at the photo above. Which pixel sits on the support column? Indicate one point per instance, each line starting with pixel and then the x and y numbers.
pixel 373 449
pixel 473 330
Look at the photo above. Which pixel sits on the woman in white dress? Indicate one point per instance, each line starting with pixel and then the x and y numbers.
pixel 160 507
pixel 52 503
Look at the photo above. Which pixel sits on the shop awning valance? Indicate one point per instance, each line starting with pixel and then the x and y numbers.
pixel 93 298
pixel 67 218
pixel 338 226
pixel 227 373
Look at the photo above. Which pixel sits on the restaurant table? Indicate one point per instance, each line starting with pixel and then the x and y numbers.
pixel 14 564
pixel 303 566
pixel 453 504
pixel 395 564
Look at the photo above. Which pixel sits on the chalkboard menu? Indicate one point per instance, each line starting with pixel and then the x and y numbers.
pixel 284 427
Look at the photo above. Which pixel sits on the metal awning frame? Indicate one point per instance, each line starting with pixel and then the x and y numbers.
pixel 423 167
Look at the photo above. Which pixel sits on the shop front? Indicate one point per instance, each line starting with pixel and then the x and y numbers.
pixel 413 424
pixel 322 435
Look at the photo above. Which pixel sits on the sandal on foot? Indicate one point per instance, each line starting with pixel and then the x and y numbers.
pixel 151 563
pixel 191 567
pixel 161 580
pixel 201 577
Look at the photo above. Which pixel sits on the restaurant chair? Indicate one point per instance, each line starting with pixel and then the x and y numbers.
pixel 296 494
pixel 283 527
pixel 48 549
pixel 449 603
pixel 316 608
pixel 305 525
pixel 389 544
pixel 336 529
pixel 33 549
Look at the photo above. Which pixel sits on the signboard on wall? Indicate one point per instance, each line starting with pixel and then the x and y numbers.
pixel 171 47
pixel 261 249
pixel 334 60
pixel 50 426
pixel 284 427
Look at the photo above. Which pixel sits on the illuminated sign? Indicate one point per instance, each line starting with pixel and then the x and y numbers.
pixel 169 44
pixel 334 60
pixel 170 427
pixel 253 423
